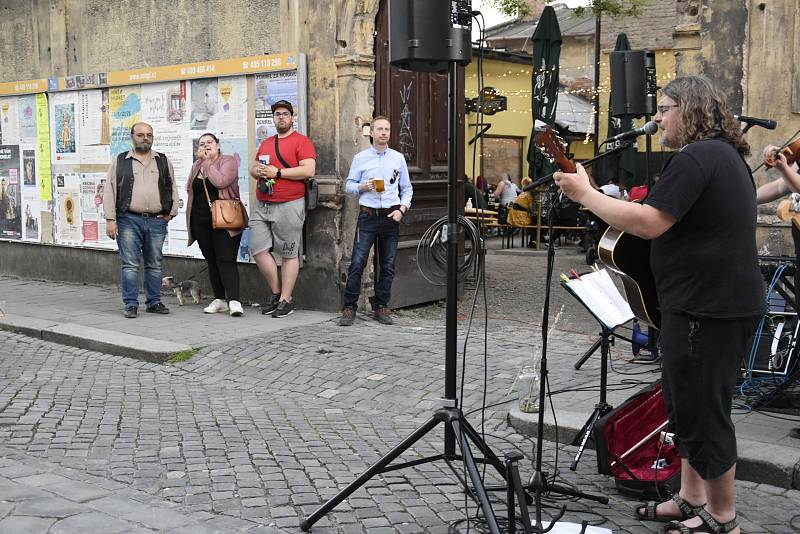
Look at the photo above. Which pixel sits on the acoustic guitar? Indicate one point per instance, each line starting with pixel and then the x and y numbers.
pixel 625 254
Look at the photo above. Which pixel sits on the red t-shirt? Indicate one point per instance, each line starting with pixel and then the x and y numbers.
pixel 294 148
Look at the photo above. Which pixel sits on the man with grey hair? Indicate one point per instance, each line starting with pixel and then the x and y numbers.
pixel 139 199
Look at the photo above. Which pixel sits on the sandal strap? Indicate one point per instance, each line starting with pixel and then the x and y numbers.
pixel 677 526
pixel 716 526
pixel 688 510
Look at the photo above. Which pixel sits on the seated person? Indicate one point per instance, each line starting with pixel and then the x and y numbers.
pixel 519 211
pixel 473 193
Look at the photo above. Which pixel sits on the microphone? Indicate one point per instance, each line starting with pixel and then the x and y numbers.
pixel 649 128
pixel 769 124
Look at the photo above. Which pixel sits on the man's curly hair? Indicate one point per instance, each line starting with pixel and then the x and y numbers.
pixel 704 112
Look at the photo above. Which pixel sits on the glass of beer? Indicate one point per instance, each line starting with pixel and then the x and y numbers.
pixel 378 183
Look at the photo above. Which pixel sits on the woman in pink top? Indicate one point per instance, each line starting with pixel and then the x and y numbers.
pixel 219 175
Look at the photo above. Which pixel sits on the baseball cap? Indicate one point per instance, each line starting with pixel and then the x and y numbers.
pixel 282 104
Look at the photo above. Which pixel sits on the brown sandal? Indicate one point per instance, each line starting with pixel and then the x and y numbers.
pixel 647 511
pixel 708 526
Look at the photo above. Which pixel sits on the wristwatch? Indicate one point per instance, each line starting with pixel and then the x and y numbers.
pixel 278 174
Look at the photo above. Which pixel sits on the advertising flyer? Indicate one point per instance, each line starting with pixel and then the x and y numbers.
pixel 43 148
pixel 10 193
pixel 93 219
pixel 232 107
pixel 26 111
pixel 9 123
pixel 124 112
pixel 68 229
pixel 32 222
pixel 64 128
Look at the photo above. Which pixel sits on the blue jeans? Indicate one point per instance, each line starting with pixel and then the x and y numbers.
pixel 385 231
pixel 140 238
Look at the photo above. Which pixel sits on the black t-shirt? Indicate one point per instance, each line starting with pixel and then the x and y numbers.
pixel 200 202
pixel 706 264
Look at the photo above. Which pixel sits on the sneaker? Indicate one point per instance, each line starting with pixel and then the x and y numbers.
pixel 158 308
pixel 131 313
pixel 236 308
pixel 271 304
pixel 384 315
pixel 217 306
pixel 348 317
pixel 284 308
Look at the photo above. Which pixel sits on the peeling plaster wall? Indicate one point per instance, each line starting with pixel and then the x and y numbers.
pixel 43 38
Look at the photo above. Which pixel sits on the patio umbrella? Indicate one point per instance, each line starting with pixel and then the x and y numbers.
pixel 544 83
pixel 621 166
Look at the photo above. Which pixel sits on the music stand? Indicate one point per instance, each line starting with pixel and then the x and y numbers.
pixel 598 294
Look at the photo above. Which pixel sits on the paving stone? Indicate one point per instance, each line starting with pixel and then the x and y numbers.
pixel 48 507
pixel 90 522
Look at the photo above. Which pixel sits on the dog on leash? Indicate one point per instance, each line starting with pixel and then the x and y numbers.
pixel 188 288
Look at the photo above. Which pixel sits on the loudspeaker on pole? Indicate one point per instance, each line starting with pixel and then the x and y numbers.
pixel 633 83
pixel 424 35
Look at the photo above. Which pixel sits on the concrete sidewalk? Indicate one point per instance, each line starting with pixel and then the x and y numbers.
pixel 91 317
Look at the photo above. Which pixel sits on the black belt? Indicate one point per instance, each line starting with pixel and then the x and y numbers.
pixel 379 211
pixel 144 214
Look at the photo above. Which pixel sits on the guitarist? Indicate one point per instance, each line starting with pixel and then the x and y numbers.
pixel 701 218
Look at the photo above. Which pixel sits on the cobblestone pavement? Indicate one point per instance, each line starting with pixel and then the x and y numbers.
pixel 253 436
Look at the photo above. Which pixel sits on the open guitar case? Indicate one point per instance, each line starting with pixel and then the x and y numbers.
pixel 630 447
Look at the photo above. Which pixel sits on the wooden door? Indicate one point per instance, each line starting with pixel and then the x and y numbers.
pixel 416 104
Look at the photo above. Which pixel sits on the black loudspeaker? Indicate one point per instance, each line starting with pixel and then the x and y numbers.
pixel 425 35
pixel 633 83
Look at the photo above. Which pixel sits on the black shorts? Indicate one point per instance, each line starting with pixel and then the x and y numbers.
pixel 702 358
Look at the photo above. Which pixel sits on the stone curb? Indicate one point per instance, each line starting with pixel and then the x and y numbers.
pixel 758 462
pixel 95 339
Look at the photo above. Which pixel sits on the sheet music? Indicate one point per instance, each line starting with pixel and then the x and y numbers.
pixel 599 294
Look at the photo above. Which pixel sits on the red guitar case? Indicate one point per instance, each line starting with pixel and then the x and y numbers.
pixel 630 447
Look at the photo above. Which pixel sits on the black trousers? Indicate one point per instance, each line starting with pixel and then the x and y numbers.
pixel 220 251
pixel 701 360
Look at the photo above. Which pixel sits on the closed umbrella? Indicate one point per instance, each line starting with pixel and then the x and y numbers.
pixel 544 81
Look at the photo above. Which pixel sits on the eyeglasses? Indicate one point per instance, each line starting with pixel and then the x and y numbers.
pixel 663 109
pixel 395 174
pixel 282 114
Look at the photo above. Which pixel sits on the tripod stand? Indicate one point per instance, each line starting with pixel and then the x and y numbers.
pixel 602 407
pixel 457 429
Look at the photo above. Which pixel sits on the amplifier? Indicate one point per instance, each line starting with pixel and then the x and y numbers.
pixel 776 345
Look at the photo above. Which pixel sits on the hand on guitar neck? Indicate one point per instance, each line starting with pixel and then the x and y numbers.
pixel 625 254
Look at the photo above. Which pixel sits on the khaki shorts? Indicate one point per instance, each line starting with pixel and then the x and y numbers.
pixel 277 226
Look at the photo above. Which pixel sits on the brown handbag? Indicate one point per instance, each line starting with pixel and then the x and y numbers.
pixel 225 214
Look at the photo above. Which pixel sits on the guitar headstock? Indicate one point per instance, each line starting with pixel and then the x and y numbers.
pixel 553 146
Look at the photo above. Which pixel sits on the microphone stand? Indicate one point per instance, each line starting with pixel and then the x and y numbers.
pixel 538 483
pixel 588 163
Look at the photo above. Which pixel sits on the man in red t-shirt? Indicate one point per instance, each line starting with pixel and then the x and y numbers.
pixel 283 164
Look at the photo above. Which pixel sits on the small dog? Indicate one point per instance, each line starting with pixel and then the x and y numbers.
pixel 189 288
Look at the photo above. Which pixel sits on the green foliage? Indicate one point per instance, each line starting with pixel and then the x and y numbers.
pixel 511 8
pixel 182 356
pixel 614 8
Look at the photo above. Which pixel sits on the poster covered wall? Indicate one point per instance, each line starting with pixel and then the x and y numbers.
pixel 56 147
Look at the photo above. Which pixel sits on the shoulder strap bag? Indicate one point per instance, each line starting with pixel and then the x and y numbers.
pixel 225 214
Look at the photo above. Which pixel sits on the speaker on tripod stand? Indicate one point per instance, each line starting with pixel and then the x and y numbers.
pixel 426 35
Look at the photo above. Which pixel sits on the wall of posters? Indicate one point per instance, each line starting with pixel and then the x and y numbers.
pixel 55 147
